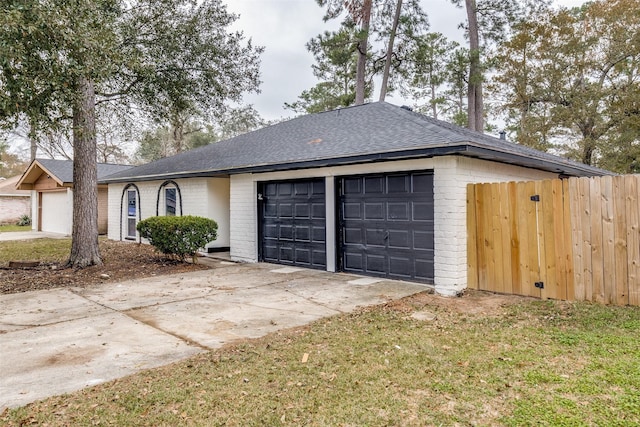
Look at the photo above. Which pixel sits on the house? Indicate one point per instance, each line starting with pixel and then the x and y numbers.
pixel 13 203
pixel 50 182
pixel 373 189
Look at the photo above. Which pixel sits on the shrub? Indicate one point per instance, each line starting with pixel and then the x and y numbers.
pixel 24 220
pixel 178 235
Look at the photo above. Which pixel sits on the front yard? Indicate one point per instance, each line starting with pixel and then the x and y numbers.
pixel 477 360
pixel 122 261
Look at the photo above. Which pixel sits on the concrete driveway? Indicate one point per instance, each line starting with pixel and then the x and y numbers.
pixel 61 340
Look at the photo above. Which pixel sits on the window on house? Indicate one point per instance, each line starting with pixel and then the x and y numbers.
pixel 170 201
pixel 132 211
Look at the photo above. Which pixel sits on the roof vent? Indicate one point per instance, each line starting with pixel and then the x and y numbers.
pixel 406 107
pixel 503 135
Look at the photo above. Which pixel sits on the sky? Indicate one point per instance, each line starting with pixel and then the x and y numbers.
pixel 283 27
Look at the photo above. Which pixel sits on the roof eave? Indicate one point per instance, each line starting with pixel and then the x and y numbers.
pixel 462 149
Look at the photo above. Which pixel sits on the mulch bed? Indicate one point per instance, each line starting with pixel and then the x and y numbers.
pixel 122 261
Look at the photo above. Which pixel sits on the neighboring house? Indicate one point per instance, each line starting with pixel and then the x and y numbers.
pixel 374 189
pixel 13 203
pixel 51 185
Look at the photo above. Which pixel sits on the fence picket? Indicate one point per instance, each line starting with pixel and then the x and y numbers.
pixel 582 239
pixel 632 208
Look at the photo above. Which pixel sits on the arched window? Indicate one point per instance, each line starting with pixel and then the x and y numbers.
pixel 170 198
pixel 129 211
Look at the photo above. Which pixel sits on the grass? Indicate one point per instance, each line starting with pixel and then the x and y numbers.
pixel 43 250
pixel 13 227
pixel 528 363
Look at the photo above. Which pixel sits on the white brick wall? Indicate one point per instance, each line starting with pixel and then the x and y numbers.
pixel 200 197
pixel 243 218
pixel 452 174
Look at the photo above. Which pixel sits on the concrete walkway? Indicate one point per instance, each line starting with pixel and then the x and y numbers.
pixel 61 340
pixel 7 236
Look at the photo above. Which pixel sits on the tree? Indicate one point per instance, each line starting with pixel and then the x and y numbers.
pixel 359 12
pixel 159 142
pixel 396 24
pixel 10 164
pixel 430 73
pixel 573 76
pixel 489 21
pixel 59 59
pixel 402 26
pixel 335 68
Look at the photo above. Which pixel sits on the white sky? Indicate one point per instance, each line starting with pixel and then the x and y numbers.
pixel 283 27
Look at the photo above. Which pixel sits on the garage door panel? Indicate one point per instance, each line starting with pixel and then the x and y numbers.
pixel 56 212
pixel 352 211
pixel 373 211
pixel 292 218
pixel 303 211
pixel 397 184
pixel 319 234
pixel 424 269
pixel 423 240
pixel 399 239
pixel 303 233
pixel 422 183
pixel 422 211
pixel 400 267
pixel 375 237
pixel 395 237
pixel 374 185
pixel 318 210
pixel 398 211
pixel 376 264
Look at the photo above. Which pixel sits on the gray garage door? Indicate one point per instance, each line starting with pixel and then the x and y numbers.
pixel 386 225
pixel 292 222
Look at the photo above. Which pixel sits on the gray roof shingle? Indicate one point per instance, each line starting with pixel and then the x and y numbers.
pixel 63 169
pixel 365 133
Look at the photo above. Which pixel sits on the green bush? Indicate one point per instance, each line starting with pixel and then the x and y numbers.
pixel 178 235
pixel 24 220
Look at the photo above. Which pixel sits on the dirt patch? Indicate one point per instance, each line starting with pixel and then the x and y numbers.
pixel 122 261
pixel 471 302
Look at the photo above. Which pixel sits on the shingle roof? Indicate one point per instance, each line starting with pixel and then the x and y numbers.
pixel 63 169
pixel 365 133
pixel 8 187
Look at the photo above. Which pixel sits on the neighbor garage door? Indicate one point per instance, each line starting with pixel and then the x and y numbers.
pixel 386 225
pixel 292 223
pixel 55 212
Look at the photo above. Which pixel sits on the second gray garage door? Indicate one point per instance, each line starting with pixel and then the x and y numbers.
pixel 386 225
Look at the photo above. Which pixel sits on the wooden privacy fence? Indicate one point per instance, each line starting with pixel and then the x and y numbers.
pixel 571 239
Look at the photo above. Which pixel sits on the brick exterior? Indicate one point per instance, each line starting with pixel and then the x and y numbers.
pixel 12 207
pixel 451 176
pixel 206 197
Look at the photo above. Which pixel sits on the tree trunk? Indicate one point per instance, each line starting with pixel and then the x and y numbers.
pixel 387 61
pixel 362 53
pixel 475 101
pixel 84 235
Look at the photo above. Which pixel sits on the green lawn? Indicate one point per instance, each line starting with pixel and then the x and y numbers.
pixel 43 250
pixel 12 227
pixel 526 362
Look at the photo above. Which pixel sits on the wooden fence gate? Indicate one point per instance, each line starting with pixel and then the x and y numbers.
pixel 571 239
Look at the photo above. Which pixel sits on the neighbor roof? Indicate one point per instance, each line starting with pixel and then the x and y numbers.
pixel 8 187
pixel 62 171
pixel 366 133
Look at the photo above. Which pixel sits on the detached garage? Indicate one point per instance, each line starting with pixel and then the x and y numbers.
pixel 51 185
pixel 375 190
